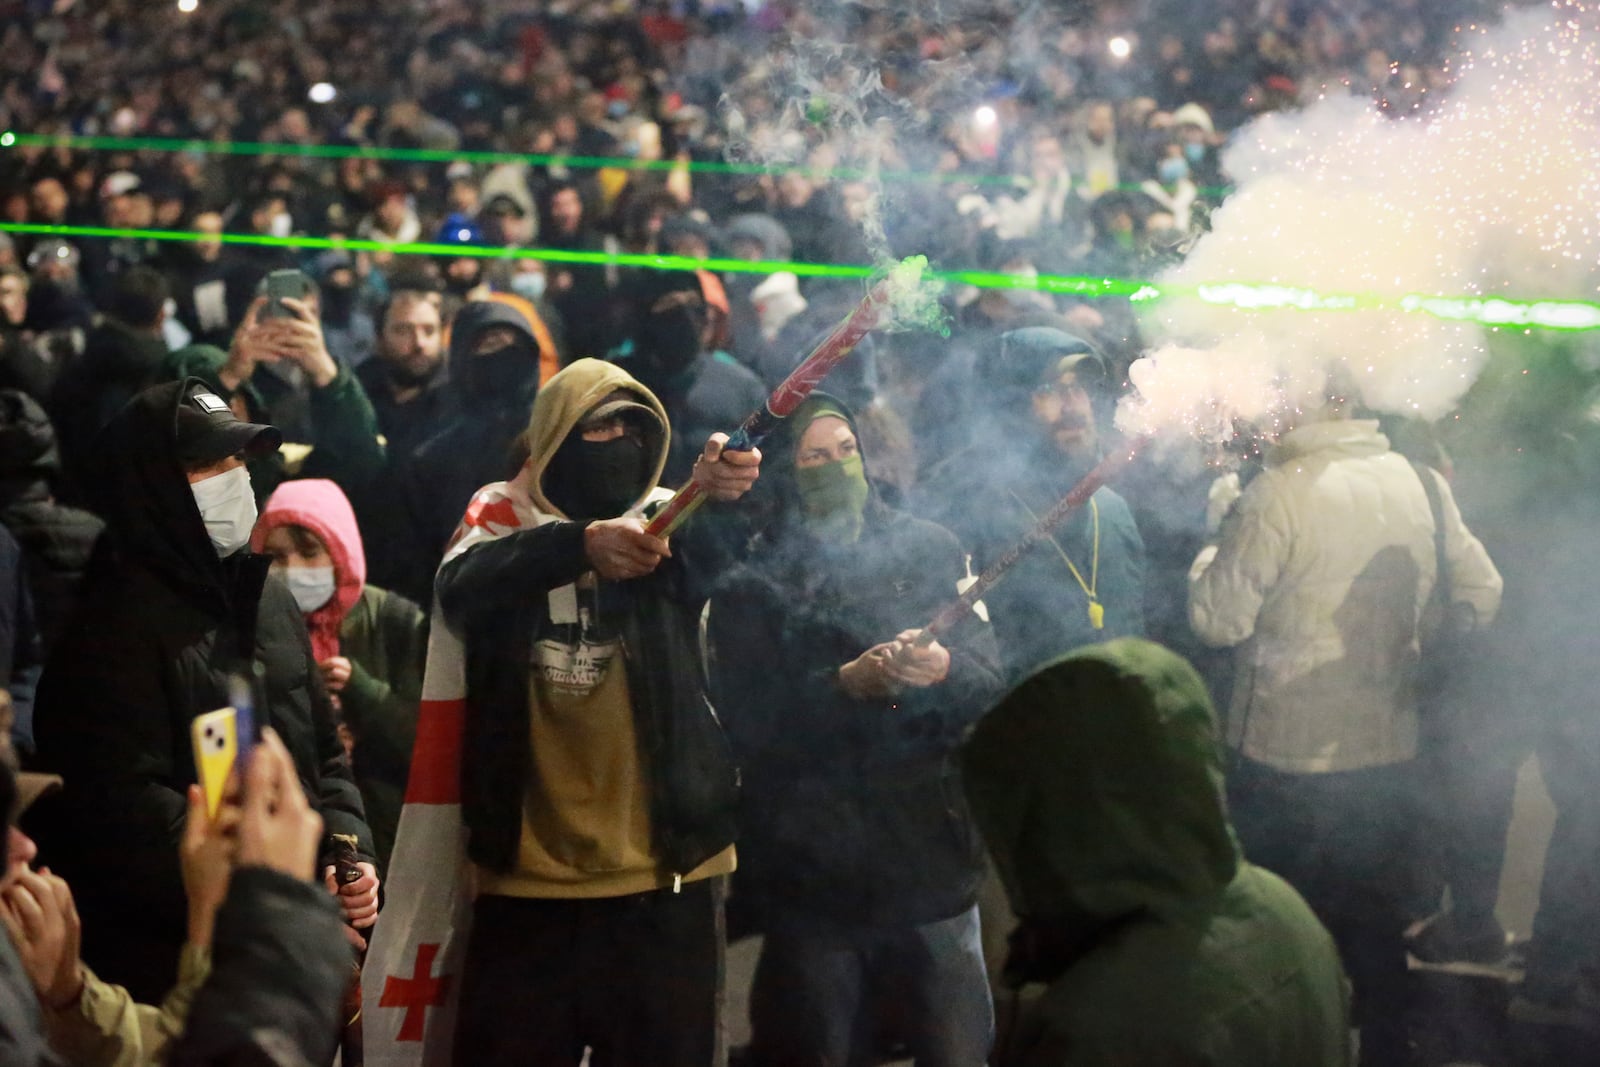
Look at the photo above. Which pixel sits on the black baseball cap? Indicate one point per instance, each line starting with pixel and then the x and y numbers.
pixel 208 432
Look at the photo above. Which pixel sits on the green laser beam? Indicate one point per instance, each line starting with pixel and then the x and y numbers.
pixel 1559 315
pixel 14 139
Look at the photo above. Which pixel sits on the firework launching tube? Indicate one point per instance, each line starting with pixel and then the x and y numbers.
pixel 1078 496
pixel 784 399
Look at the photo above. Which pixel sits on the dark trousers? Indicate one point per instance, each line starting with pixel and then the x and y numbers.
pixel 1566 930
pixel 1474 760
pixel 636 979
pixel 1471 773
pixel 830 997
pixel 1345 841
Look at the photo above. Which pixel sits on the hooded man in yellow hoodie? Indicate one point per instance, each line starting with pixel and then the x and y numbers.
pixel 597 789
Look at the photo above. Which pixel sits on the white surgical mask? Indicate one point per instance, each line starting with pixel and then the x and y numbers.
pixel 228 506
pixel 312 587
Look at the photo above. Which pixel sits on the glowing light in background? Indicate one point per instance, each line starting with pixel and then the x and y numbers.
pixel 188 7
pixel 1120 47
pixel 322 93
pixel 985 117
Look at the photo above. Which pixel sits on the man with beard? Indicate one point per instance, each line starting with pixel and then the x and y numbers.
pixel 666 351
pixel 407 375
pixel 946 405
pixel 1036 436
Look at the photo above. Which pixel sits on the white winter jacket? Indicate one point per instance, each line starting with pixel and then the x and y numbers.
pixel 1320 575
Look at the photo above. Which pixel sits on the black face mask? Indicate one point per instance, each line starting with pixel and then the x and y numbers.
pixel 500 377
pixel 597 479
pixel 672 338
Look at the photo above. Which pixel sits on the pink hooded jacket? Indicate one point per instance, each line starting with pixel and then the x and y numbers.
pixel 321 507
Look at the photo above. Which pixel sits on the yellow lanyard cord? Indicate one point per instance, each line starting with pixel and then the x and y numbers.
pixel 1097 613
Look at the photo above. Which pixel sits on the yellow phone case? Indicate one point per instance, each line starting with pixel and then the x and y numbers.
pixel 215 736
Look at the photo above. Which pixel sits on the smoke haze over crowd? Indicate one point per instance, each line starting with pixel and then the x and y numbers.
pixel 1490 194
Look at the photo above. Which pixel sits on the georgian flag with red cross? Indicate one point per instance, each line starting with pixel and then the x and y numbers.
pixel 412 973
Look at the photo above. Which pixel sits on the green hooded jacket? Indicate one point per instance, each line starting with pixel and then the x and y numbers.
pixel 1098 785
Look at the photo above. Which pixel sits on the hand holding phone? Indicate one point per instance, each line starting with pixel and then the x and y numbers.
pixel 215 738
pixel 292 284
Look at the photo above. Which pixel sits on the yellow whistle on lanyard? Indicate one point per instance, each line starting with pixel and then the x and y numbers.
pixel 1097 615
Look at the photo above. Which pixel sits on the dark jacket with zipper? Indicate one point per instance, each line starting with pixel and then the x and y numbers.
pixel 495 595
pixel 161 625
pixel 852 810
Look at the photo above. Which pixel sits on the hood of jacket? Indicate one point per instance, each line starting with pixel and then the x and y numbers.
pixel 562 404
pixel 1098 785
pixel 29 458
pixel 775 498
pixel 1345 437
pixel 470 323
pixel 135 482
pixel 321 507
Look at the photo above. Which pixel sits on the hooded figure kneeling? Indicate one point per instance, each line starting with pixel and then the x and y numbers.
pixel 1098 785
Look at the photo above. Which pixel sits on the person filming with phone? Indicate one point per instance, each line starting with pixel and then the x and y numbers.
pixel 174 606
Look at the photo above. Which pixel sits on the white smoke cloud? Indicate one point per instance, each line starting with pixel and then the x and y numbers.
pixel 1496 193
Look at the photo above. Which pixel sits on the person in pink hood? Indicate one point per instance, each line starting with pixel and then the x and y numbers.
pixel 370 643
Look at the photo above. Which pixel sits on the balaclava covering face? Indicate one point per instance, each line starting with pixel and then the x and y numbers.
pixel 506 372
pixel 671 338
pixel 591 480
pixel 833 495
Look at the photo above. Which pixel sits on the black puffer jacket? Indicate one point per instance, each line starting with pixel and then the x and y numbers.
pixel 852 810
pixel 56 540
pixel 161 625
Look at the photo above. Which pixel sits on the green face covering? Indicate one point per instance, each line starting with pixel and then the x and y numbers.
pixel 834 496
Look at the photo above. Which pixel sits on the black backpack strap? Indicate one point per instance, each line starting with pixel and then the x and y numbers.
pixel 1441 588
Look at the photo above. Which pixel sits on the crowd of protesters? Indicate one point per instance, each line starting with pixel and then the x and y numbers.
pixel 359 477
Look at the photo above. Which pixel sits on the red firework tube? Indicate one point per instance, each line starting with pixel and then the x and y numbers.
pixel 784 399
pixel 1107 469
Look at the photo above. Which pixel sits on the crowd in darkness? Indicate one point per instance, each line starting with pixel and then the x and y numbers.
pixel 237 455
